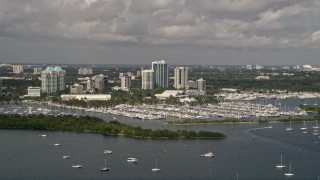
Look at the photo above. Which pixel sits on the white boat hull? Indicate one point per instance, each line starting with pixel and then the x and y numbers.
pixel 155 169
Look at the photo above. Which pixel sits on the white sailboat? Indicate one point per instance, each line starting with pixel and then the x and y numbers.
pixel 304 127
pixel 280 165
pixel 316 126
pixel 289 173
pixel 56 144
pixel 156 169
pixel 105 166
pixel 289 128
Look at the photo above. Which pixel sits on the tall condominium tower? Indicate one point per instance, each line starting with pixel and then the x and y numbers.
pixel 147 79
pixel 161 73
pixel 101 82
pixel 53 79
pixel 125 83
pixel 201 84
pixel 181 78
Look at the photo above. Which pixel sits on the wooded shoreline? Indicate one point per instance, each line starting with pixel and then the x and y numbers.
pixel 96 125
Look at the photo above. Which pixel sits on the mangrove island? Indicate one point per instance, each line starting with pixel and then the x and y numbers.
pixel 96 125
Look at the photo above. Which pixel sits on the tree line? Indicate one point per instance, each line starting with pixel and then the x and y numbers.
pixel 94 124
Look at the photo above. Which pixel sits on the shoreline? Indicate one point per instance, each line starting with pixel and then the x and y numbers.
pixel 240 122
pixel 86 124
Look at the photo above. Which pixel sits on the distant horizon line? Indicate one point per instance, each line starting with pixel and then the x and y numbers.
pixel 149 64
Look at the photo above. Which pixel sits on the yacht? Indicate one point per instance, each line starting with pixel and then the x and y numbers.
pixel 133 160
pixel 65 157
pixel 77 166
pixel 107 152
pixel 208 154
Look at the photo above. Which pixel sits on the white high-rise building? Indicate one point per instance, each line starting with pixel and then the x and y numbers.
pixel 201 84
pixel 17 69
pixel 125 83
pixel 147 79
pixel 100 82
pixel 181 78
pixel 53 79
pixel 161 73
pixel 90 85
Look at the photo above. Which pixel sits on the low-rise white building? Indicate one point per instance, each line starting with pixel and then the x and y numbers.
pixel 76 89
pixel 262 78
pixel 34 92
pixel 86 97
pixel 85 71
pixel 168 93
pixel 287 74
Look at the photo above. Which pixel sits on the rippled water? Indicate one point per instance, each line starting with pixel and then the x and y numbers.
pixel 26 155
pixel 250 150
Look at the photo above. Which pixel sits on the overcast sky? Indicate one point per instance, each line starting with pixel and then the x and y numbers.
pixel 217 32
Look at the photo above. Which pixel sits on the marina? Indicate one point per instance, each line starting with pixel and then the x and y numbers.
pixel 245 142
pixel 236 109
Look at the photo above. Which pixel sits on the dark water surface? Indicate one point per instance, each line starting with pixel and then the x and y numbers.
pixel 250 150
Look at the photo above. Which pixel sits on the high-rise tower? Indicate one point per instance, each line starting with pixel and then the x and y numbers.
pixel 125 83
pixel 100 82
pixel 147 79
pixel 181 78
pixel 161 73
pixel 201 84
pixel 53 79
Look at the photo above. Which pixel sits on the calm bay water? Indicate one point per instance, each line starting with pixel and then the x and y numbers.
pixel 251 150
pixel 26 155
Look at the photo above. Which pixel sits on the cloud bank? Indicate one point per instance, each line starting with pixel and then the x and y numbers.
pixel 234 24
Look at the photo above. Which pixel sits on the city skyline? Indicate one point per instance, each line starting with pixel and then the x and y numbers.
pixel 184 32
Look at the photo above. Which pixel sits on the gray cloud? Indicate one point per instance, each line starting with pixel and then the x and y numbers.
pixel 246 25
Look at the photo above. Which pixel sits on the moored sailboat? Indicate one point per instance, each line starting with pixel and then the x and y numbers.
pixel 289 173
pixel 104 168
pixel 316 126
pixel 280 165
pixel 156 169
pixel 304 127
pixel 289 128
